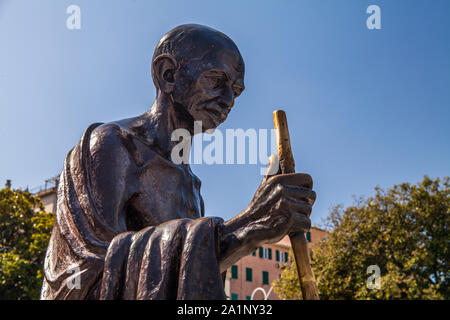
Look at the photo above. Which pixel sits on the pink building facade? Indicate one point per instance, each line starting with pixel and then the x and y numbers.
pixel 251 277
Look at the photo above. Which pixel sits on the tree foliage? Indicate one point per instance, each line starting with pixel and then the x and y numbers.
pixel 402 230
pixel 287 286
pixel 25 230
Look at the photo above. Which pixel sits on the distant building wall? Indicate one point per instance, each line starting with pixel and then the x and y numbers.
pixel 47 193
pixel 261 268
pixel 48 198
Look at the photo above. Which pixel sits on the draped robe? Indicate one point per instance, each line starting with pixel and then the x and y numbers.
pixel 116 252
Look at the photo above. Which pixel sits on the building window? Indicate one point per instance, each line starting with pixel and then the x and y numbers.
pixel 234 272
pixel 248 274
pixel 248 298
pixel 234 296
pixel 308 236
pixel 254 253
pixel 265 277
pixel 281 257
pixel 265 253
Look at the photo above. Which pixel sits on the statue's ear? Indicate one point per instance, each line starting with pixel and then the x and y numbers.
pixel 163 71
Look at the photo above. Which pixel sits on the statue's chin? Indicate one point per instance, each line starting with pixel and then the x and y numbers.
pixel 208 121
pixel 210 116
pixel 209 126
pixel 214 122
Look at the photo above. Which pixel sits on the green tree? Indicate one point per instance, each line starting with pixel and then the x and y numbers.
pixel 287 286
pixel 25 230
pixel 402 230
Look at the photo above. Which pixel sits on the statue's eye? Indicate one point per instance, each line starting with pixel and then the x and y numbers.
pixel 215 79
pixel 217 82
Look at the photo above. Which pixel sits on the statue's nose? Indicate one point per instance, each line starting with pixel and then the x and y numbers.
pixel 227 98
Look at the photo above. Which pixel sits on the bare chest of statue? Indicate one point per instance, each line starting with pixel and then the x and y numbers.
pixel 164 190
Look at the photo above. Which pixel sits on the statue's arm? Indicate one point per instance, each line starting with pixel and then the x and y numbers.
pixel 236 240
pixel 112 174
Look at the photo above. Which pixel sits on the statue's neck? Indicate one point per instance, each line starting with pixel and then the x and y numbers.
pixel 163 118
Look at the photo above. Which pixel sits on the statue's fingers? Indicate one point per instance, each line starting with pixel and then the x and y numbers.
pixel 301 194
pixel 299 206
pixel 300 223
pixel 303 180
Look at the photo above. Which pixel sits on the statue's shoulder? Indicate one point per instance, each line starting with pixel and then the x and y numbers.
pixel 105 130
pixel 120 137
pixel 106 138
pixel 104 133
pixel 131 128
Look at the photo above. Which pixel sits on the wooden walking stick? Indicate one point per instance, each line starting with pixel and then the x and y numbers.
pixel 298 240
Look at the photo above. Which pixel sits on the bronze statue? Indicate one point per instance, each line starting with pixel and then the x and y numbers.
pixel 130 222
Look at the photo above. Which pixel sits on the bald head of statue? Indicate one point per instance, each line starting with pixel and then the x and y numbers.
pixel 200 70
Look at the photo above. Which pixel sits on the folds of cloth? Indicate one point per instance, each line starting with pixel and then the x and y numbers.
pixel 164 262
pixel 90 258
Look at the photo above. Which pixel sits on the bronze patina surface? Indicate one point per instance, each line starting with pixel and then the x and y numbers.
pixel 130 223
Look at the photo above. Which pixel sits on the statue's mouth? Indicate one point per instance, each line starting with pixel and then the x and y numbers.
pixel 218 110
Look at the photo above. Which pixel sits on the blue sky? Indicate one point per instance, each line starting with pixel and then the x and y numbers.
pixel 365 107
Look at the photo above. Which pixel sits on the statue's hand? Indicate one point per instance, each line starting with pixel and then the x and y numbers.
pixel 282 205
